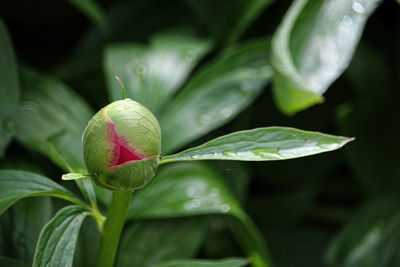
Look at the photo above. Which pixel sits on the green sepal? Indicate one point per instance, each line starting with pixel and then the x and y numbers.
pixel 74 176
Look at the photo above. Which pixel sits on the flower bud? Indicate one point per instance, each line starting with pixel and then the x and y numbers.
pixel 122 146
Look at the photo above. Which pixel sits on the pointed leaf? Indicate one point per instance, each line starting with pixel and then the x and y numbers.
pixel 205 263
pixel 9 88
pixel 15 185
pixel 93 11
pixel 57 241
pixel 181 239
pixel 216 94
pixel 313 46
pixel 152 74
pixel 51 119
pixel 262 144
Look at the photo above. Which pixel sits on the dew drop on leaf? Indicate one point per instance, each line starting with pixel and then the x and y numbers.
pixel 347 20
pixel 225 208
pixel 358 7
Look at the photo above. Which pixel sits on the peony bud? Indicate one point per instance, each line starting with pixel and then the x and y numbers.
pixel 122 146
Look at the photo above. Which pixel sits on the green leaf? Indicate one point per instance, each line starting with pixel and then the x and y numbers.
pixel 229 27
pixel 15 185
pixel 23 224
pixel 87 188
pixel 216 94
pixel 182 190
pixel 313 46
pixel 262 144
pixel 57 241
pixel 152 74
pixel 234 262
pixel 12 262
pixel 181 239
pixel 93 11
pixel 9 88
pixel 370 238
pixel 51 119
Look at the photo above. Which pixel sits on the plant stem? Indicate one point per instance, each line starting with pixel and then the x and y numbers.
pixel 252 241
pixel 112 228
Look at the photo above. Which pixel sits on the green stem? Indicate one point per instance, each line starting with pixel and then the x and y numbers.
pixel 112 228
pixel 252 241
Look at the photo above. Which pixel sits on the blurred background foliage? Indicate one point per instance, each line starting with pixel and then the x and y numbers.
pixel 334 209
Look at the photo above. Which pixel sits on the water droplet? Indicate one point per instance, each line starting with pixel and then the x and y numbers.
pixel 215 154
pixel 214 192
pixel 191 191
pixel 266 70
pixel 225 208
pixel 347 20
pixel 196 203
pixel 230 153
pixel 247 86
pixel 328 145
pixel 267 153
pixel 226 112
pixel 358 7
pixel 190 55
pixel 205 119
pixel 30 106
pixel 195 157
pixel 141 69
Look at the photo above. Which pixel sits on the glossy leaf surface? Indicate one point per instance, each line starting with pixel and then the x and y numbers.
pixel 51 119
pixel 183 190
pixel 312 47
pixel 216 94
pixel 190 189
pixel 262 144
pixel 9 88
pixel 15 185
pixel 57 241
pixel 152 74
pixel 205 263
pixel 141 244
